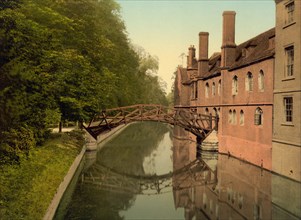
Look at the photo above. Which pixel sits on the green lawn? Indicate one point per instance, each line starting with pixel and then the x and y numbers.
pixel 27 189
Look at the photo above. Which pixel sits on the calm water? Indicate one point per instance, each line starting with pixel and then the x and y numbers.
pixel 150 171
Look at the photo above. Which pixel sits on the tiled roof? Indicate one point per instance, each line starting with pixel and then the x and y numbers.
pixel 258 48
pixel 247 53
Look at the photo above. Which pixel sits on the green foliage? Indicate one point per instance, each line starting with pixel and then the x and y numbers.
pixel 14 143
pixel 68 60
pixel 27 189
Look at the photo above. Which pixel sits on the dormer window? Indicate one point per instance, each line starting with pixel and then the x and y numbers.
pixel 249 48
pixel 290 8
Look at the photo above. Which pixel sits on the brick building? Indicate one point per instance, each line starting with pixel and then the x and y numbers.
pixel 237 84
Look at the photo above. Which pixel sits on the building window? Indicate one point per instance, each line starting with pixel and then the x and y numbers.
pixel 207 90
pixel 242 118
pixel 288 108
pixel 249 82
pixel 206 111
pixel 219 87
pixel 230 117
pixel 215 112
pixel 289 53
pixel 234 85
pixel 257 211
pixel 261 81
pixel 213 89
pixel 258 116
pixel 194 90
pixel 234 117
pixel 290 8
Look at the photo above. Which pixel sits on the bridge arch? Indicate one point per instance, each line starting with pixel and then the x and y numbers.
pixel 199 124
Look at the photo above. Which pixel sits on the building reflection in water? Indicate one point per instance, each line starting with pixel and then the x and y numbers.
pixel 230 188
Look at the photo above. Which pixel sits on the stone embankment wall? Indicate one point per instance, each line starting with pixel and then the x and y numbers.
pixel 91 145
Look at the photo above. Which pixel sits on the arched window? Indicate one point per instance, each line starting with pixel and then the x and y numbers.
pixel 249 82
pixel 261 81
pixel 242 118
pixel 235 85
pixel 230 117
pixel 213 89
pixel 234 117
pixel 215 112
pixel 258 119
pixel 207 111
pixel 219 87
pixel 207 90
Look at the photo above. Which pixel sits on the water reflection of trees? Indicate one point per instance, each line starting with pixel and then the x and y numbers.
pixel 124 153
pixel 127 151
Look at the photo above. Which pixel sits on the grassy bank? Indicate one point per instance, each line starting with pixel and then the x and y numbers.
pixel 27 189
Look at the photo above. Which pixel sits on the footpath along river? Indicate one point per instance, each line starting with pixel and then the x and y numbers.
pixel 150 171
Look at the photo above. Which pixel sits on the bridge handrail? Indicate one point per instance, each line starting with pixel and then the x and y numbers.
pixel 198 124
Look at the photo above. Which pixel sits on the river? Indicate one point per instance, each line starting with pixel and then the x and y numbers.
pixel 150 171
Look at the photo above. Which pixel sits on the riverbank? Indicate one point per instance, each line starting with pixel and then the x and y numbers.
pixel 27 189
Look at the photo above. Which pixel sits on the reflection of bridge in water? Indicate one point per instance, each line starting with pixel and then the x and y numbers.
pixel 105 178
pixel 198 124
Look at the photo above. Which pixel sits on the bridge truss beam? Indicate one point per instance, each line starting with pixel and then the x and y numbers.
pixel 199 124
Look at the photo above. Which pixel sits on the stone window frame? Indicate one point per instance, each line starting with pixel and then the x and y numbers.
pixel 234 117
pixel 194 90
pixel 258 116
pixel 230 116
pixel 261 81
pixel 241 118
pixel 288 104
pixel 235 85
pixel 249 82
pixel 207 90
pixel 213 89
pixel 219 87
pixel 290 11
pixel 207 111
pixel 289 61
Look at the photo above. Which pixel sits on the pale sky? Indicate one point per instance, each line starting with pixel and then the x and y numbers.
pixel 166 28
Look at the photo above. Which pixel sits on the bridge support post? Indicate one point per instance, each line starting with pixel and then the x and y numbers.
pixel 91 143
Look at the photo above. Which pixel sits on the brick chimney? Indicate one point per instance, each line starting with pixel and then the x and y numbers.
pixel 203 62
pixel 190 57
pixel 228 45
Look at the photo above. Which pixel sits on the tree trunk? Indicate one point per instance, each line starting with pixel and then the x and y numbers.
pixel 60 127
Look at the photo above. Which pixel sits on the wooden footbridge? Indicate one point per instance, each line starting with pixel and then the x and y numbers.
pixel 198 124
